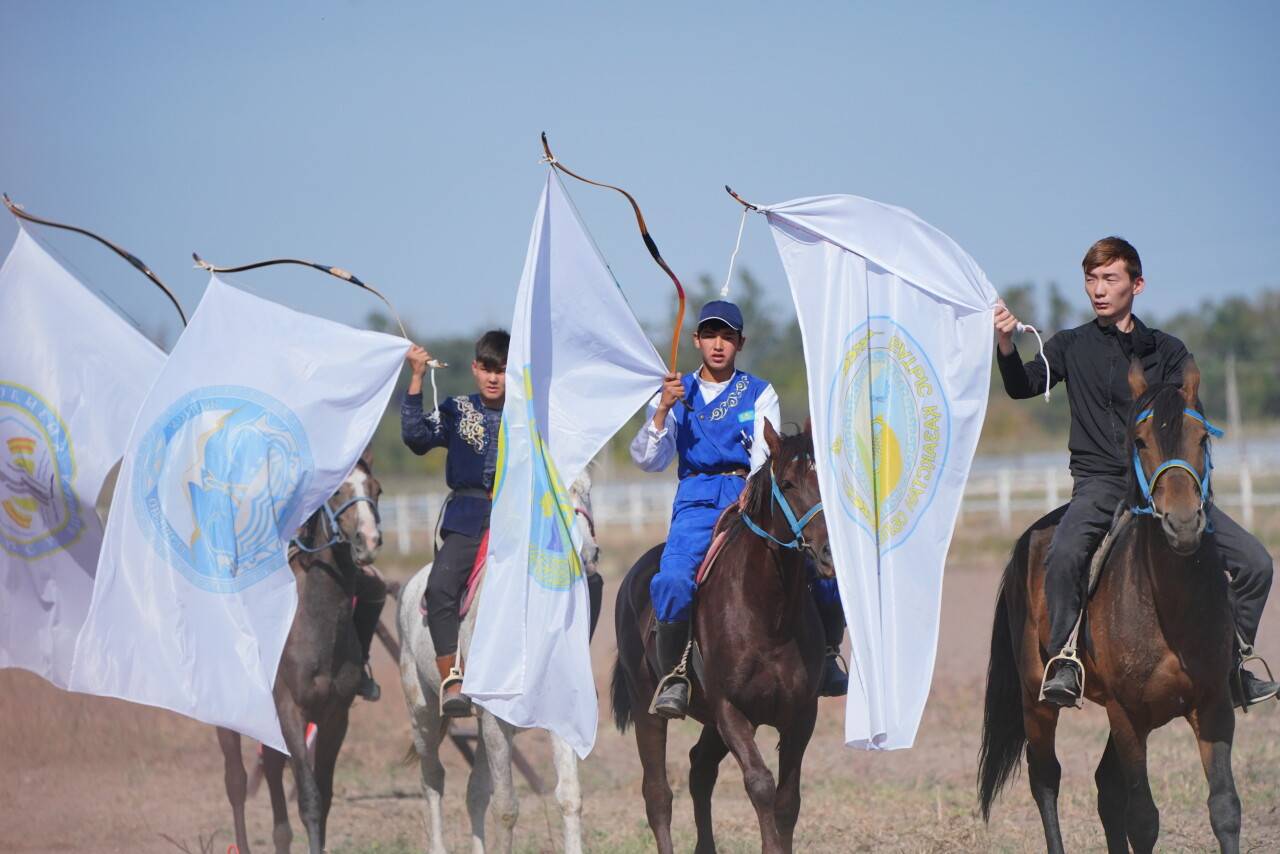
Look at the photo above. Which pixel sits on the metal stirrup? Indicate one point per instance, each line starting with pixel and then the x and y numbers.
pixel 1068 655
pixel 679 674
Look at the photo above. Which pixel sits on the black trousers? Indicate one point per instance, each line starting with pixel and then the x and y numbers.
pixel 1093 502
pixel 445 587
pixel 371 595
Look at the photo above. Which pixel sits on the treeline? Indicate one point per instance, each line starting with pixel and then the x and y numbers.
pixel 1234 327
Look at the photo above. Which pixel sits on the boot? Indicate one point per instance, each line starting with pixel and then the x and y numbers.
pixel 452 703
pixel 366 617
pixel 1248 689
pixel 672 698
pixel 595 596
pixel 1062 689
pixel 835 677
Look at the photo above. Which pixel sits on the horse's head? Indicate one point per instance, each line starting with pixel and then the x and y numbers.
pixel 580 494
pixel 1169 444
pixel 354 509
pixel 790 498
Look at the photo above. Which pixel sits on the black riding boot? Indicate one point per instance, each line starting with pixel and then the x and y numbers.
pixel 365 617
pixel 595 594
pixel 835 681
pixel 1062 687
pixel 672 700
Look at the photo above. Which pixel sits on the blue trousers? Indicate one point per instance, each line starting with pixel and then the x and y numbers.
pixel 700 499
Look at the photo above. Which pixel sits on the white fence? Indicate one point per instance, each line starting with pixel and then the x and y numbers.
pixel 997 487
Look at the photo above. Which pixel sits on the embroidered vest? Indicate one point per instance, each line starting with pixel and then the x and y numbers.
pixel 716 437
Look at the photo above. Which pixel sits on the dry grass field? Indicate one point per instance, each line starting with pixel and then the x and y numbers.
pixel 86 774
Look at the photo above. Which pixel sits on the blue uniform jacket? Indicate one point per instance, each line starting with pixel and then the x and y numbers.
pixel 714 438
pixel 470 432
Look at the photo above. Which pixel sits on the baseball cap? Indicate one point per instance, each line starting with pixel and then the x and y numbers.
pixel 723 311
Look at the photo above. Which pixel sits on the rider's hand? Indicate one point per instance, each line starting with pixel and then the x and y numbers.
pixel 672 391
pixel 417 359
pixel 1006 324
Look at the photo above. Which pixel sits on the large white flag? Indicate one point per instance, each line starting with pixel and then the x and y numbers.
pixel 72 376
pixel 258 416
pixel 896 321
pixel 579 367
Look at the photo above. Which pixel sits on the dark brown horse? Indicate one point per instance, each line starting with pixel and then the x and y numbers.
pixel 321 665
pixel 758 631
pixel 1156 641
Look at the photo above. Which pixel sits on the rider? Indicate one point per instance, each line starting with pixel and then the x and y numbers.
pixel 703 418
pixel 468 427
pixel 1093 360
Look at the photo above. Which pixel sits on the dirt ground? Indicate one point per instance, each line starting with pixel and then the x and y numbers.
pixel 81 773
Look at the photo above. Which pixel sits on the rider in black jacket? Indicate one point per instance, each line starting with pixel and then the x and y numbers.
pixel 1093 360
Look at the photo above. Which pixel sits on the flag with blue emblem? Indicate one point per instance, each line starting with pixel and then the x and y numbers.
pixel 259 415
pixel 896 321
pixel 67 401
pixel 578 368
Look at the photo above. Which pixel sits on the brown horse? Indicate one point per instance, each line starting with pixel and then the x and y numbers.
pixel 321 665
pixel 757 628
pixel 1156 643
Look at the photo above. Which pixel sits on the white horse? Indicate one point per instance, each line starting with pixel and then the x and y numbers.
pixel 491 771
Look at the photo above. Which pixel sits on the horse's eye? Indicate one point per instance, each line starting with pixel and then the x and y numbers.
pixel 785 484
pixel 1139 444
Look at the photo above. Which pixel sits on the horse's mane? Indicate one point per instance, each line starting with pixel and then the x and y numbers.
pixel 1166 403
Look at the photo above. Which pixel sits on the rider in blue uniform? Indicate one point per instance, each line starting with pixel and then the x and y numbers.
pixel 713 420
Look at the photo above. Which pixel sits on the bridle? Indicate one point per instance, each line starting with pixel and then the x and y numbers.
pixel 796 523
pixel 328 517
pixel 1147 486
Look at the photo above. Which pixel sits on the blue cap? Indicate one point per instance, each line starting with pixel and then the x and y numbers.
pixel 723 311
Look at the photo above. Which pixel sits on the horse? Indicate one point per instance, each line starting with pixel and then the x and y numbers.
pixel 491 771
pixel 1157 643
pixel 757 628
pixel 322 662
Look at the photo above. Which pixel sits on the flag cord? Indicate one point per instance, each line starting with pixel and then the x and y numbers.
pixel 724 291
pixel 1027 327
pixel 435 393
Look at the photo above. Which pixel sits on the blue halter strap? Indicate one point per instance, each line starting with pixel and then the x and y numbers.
pixel 331 515
pixel 797 524
pixel 1148 486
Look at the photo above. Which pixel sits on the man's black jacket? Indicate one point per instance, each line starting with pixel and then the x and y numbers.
pixel 1093 360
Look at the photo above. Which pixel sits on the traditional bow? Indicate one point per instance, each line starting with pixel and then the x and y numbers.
pixel 17 210
pixel 648 242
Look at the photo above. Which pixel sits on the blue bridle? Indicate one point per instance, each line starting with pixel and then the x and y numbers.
pixel 331 516
pixel 797 524
pixel 1148 486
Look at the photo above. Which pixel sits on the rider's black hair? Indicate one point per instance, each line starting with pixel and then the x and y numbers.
pixel 491 349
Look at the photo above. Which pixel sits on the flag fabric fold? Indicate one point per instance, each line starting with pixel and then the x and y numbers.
pixel 67 401
pixel 257 417
pixel 579 367
pixel 896 323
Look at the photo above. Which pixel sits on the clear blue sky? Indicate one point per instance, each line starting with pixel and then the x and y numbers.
pixel 401 140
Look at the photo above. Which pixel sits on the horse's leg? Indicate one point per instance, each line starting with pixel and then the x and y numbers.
pixel 791 749
pixel 704 769
pixel 293 725
pixel 568 793
pixel 237 783
pixel 651 744
pixel 739 735
pixel 1043 771
pixel 1141 817
pixel 497 737
pixel 479 790
pixel 428 732
pixel 273 762
pixel 1112 798
pixel 1215 727
pixel 329 740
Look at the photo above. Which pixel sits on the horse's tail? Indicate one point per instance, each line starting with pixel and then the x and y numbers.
pixel 1003 733
pixel 621 696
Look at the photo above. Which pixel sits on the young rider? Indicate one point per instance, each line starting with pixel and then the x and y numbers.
pixel 1093 360
pixel 468 427
pixel 713 420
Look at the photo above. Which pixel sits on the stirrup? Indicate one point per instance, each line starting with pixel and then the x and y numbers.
pixel 1247 655
pixel 834 652
pixel 454 677
pixel 679 674
pixel 1068 655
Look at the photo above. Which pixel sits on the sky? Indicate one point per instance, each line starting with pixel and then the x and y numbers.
pixel 400 141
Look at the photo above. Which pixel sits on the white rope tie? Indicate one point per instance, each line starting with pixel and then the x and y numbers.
pixel 435 396
pixel 1026 327
pixel 724 291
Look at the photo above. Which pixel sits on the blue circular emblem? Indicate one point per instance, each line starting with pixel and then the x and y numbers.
pixel 215 480
pixel 891 428
pixel 39 511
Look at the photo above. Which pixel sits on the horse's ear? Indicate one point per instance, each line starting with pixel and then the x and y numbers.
pixel 367 456
pixel 1137 378
pixel 771 439
pixel 1190 381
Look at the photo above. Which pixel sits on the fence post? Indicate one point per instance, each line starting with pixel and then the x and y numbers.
pixel 1003 488
pixel 1050 489
pixel 635 502
pixel 402 523
pixel 1246 495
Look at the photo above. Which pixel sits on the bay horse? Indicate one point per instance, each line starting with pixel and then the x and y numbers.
pixel 757 628
pixel 322 662
pixel 491 777
pixel 1157 640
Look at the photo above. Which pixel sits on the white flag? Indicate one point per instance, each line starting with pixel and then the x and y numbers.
pixel 579 366
pixel 256 419
pixel 72 376
pixel 896 320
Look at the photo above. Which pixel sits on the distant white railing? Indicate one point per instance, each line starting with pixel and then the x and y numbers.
pixel 1002 489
